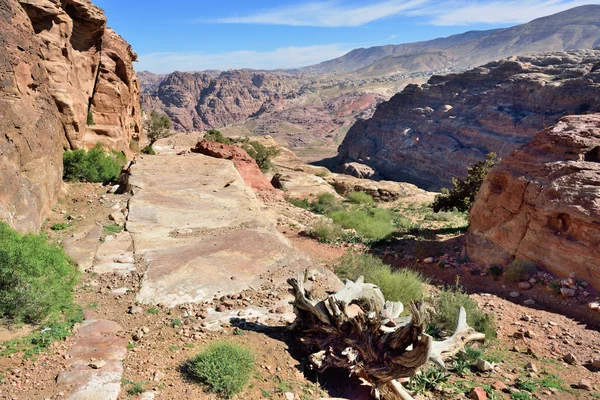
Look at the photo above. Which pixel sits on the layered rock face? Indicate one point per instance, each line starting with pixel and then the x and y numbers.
pixel 542 203
pixel 61 68
pixel 198 101
pixel 427 134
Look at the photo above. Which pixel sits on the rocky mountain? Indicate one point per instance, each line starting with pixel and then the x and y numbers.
pixel 429 133
pixel 577 28
pixel 544 197
pixel 67 83
pixel 149 82
pixel 197 101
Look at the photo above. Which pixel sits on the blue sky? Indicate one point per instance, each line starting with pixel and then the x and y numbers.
pixel 193 35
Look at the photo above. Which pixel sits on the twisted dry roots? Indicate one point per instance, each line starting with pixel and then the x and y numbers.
pixel 356 329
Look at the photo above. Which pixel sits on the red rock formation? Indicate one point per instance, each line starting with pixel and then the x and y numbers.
pixel 58 61
pixel 542 203
pixel 32 133
pixel 427 134
pixel 246 166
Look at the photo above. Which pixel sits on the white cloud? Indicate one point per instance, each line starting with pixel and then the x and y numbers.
pixel 334 13
pixel 326 14
pixel 286 57
pixel 495 12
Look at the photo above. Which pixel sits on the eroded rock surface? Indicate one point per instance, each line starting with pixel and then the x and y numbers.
pixel 542 203
pixel 201 231
pixel 427 134
pixel 61 70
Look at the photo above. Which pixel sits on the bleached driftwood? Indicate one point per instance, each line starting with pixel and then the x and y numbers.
pixel 358 330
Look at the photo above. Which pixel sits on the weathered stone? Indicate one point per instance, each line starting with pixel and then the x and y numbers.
pixel 585 384
pixel 544 193
pixel 567 292
pixel 570 358
pixel 496 107
pixel 478 393
pixel 357 170
pixel 524 285
pixel 483 366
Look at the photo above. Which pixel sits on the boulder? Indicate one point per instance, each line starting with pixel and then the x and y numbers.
pixel 245 165
pixel 379 190
pixel 358 170
pixel 544 193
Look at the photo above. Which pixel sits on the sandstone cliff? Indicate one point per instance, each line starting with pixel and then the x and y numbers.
pixel 541 203
pixel 197 101
pixel 60 69
pixel 427 134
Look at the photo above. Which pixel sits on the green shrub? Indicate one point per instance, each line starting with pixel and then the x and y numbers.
pixel 327 232
pixel 261 153
pixel 61 226
pixel 90 118
pixel 427 380
pixel 95 165
pixel 224 367
pixel 324 204
pixel 36 278
pixel 372 224
pixel 402 285
pixel 158 126
pixel 360 198
pixel 322 173
pixel 112 229
pixel 137 388
pixel 148 150
pixel 496 271
pixel 447 304
pixel 519 270
pixel 214 135
pixel 462 195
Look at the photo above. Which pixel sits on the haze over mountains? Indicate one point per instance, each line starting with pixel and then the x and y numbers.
pixel 577 28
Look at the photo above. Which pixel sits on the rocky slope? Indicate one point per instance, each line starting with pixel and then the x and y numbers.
pixel 577 28
pixel 61 68
pixel 197 101
pixel 427 134
pixel 541 203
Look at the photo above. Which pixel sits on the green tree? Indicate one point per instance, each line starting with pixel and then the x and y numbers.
pixel 261 153
pixel 158 126
pixel 462 195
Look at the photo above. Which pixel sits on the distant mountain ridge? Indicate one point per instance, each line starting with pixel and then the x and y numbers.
pixel 577 28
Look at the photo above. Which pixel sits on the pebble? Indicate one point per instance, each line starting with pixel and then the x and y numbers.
pixel 514 294
pixel 483 365
pixel 135 310
pixel 567 292
pixel 530 367
pixel 596 363
pixel 428 260
pixel 585 384
pixel 477 393
pixel 570 359
pixel 529 302
pixel 524 285
pixel 97 364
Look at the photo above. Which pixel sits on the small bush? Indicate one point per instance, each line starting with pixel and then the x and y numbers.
pixel 90 118
pixel 447 305
pixel 322 173
pixel 360 198
pixel 428 380
pixel 372 224
pixel 95 165
pixel 224 367
pixel 112 229
pixel 261 153
pixel 36 278
pixel 137 388
pixel 61 226
pixel 402 285
pixel 462 195
pixel 148 150
pixel 324 204
pixel 519 270
pixel 496 271
pixel 327 232
pixel 214 135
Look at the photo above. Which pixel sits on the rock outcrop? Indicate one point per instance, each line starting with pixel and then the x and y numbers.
pixel 427 134
pixel 245 165
pixel 60 68
pixel 542 203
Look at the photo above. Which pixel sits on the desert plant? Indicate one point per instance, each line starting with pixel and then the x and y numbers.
pixel 148 150
pixel 95 165
pixel 496 271
pixel 157 126
pixel 224 367
pixel 261 153
pixel 213 135
pixel 462 195
pixel 327 232
pixel 519 270
pixel 428 379
pixel 403 285
pixel 360 198
pixel 60 226
pixel 134 146
pixel 446 306
pixel 36 278
pixel 90 118
pixel 370 223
